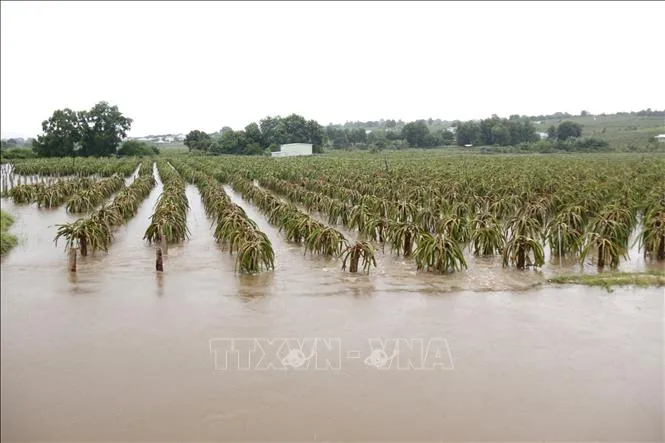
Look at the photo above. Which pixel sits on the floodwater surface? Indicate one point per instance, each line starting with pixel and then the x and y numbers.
pixel 118 352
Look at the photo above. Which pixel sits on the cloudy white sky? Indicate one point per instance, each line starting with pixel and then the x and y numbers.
pixel 173 66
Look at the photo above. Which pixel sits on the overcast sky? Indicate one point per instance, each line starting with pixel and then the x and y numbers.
pixel 178 66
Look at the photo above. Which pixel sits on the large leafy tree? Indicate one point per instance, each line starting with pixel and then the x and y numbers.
pixel 467 133
pixel 198 140
pixel 96 132
pixel 231 142
pixel 568 129
pixel 416 133
pixel 254 135
pixel 102 129
pixel 291 129
pixel 61 135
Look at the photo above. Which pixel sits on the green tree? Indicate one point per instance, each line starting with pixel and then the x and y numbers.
pixel 199 140
pixel 316 134
pixel 521 131
pixel 272 130
pixel 446 137
pixel 236 143
pixel 296 129
pixel 254 135
pixel 416 133
pixel 102 129
pixel 339 138
pixel 568 129
pixel 500 135
pixel 61 134
pixel 467 133
pixel 377 139
pixel 292 129
pixel 358 136
pixel 485 129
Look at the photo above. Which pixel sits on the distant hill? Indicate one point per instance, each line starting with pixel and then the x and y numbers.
pixel 620 130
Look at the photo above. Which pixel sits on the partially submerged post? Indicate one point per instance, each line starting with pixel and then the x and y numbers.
pixel 72 259
pixel 159 263
pixel 165 245
pixel 355 257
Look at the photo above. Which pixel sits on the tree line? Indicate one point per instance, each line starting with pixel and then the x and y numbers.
pixel 100 131
pixel 12 143
pixel 420 134
pixel 258 139
pixel 271 132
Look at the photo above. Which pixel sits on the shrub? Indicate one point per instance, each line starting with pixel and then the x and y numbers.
pixel 137 148
pixel 17 153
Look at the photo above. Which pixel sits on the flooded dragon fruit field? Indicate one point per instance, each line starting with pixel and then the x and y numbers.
pixel 408 349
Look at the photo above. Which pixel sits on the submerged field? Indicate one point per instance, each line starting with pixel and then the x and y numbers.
pixel 118 351
pixel 441 214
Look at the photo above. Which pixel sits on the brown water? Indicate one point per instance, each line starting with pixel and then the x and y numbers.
pixel 120 353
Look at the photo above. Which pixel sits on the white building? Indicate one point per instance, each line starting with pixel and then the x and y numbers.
pixel 542 135
pixel 293 149
pixel 660 138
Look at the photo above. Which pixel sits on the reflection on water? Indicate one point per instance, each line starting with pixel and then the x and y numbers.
pixel 118 351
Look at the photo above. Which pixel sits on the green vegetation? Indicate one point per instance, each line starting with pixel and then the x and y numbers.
pixel 436 209
pixel 259 139
pixel 361 251
pixel 137 148
pixel 621 132
pixel 95 232
pixel 80 167
pixel 643 279
pixel 434 206
pixel 7 240
pixel 81 193
pixel 16 153
pixel 233 228
pixel 91 196
pixel 652 236
pixel 96 132
pixel 170 216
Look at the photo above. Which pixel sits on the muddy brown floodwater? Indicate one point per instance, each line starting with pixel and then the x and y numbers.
pixel 119 353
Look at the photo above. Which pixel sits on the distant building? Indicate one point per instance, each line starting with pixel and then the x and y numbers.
pixel 660 138
pixel 293 149
pixel 542 135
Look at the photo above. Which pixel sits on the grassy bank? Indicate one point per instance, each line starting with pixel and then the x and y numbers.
pixel 7 240
pixel 642 279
